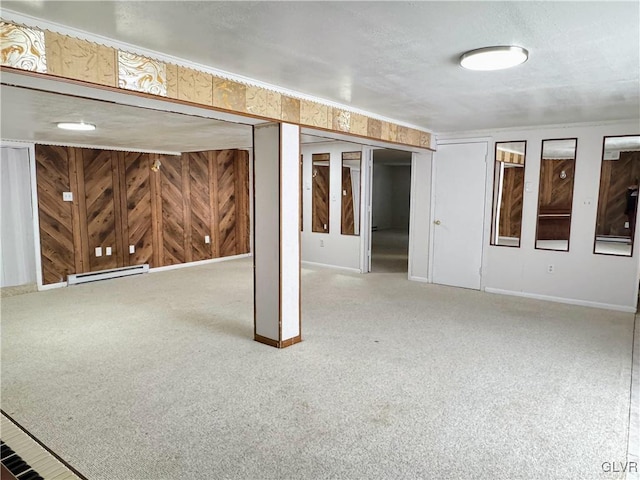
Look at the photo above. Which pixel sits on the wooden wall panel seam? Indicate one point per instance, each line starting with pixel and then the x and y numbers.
pixel 186 207
pixel 213 195
pixel 75 211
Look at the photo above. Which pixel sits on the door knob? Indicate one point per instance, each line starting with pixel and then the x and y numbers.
pixel 437 222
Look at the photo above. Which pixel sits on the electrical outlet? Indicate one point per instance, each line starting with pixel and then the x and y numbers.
pixel 67 196
pixel 98 251
pixel 550 268
pixel 108 251
pixel 207 239
pixel 132 249
pixel 322 243
pixel 626 224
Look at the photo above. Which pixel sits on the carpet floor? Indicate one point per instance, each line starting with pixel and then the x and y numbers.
pixel 157 377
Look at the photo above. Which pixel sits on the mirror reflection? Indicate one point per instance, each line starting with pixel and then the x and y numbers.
pixel 320 192
pixel 508 190
pixel 351 193
pixel 555 194
pixel 618 198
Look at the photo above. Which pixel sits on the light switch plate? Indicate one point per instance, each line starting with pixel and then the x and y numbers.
pixel 98 251
pixel 67 196
pixel 207 239
pixel 132 249
pixel 108 251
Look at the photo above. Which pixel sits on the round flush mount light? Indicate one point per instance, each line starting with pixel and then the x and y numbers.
pixel 77 126
pixel 494 58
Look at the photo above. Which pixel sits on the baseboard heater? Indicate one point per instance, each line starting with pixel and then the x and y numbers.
pixel 77 278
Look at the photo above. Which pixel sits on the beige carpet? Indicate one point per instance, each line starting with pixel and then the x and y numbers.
pixel 156 377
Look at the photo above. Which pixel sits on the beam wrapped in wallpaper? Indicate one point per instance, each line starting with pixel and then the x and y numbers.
pixel 52 53
pixel 125 211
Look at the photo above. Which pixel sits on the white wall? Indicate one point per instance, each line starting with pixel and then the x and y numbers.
pixel 338 250
pixel 17 243
pixel 579 275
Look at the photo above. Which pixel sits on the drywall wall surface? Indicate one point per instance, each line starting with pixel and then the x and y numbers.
pixel 330 248
pixel 579 275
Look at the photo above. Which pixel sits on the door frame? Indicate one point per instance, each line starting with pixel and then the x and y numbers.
pixel 486 226
pixel 366 198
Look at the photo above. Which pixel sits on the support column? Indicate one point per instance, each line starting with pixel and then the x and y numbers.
pixel 276 250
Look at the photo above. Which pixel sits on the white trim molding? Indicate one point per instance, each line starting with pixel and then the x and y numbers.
pixel 569 301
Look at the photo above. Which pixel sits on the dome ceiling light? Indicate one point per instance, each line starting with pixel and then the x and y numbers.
pixel 77 126
pixel 493 58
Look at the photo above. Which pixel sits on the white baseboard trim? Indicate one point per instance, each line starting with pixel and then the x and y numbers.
pixel 326 265
pixel 413 278
pixel 199 262
pixel 569 301
pixel 51 286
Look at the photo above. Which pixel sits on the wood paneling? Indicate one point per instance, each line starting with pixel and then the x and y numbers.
pixel 56 228
pixel 615 179
pixel 226 190
pixel 119 201
pixel 320 193
pixel 138 209
pixel 347 221
pixel 554 190
pixel 102 227
pixel 243 220
pixel 555 199
pixel 511 208
pixel 200 204
pixel 172 211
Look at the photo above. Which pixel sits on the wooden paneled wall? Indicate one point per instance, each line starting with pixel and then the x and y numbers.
pixel 119 201
pixel 347 220
pixel 511 208
pixel 615 179
pixel 554 190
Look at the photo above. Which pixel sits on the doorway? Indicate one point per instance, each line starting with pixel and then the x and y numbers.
pixel 391 198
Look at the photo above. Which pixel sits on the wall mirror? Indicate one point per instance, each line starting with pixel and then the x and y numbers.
pixel 618 198
pixel 555 194
pixel 350 221
pixel 320 192
pixel 508 191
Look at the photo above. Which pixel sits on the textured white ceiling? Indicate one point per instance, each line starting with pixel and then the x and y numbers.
pixel 31 115
pixel 398 59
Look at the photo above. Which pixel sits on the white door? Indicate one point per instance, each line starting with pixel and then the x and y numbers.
pixel 459 198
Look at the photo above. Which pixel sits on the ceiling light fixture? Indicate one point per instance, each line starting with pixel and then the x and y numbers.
pixel 78 126
pixel 494 58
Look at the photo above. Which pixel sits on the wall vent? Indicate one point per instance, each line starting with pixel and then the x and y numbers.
pixel 77 278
